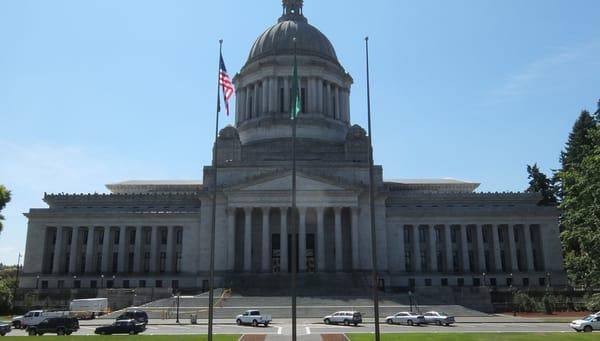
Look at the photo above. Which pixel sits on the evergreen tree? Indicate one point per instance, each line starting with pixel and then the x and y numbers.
pixel 539 183
pixel 579 141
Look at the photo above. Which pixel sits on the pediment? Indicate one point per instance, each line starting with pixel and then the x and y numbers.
pixel 284 183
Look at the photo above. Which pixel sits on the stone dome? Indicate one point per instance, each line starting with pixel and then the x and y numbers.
pixel 278 39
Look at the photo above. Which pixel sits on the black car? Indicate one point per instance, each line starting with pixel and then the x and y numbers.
pixel 139 316
pixel 4 328
pixel 55 325
pixel 130 327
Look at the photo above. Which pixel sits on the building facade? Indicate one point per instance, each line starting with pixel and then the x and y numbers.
pixel 430 233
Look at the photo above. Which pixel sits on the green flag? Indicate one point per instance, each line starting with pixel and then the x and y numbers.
pixel 296 103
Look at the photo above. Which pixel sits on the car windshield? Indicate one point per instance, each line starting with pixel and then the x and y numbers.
pixel 443 314
pixel 589 318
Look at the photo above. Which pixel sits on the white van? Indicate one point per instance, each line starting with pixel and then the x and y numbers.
pixel 89 307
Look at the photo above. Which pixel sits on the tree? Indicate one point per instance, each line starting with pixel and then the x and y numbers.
pixel 579 141
pixel 581 215
pixel 4 199
pixel 539 183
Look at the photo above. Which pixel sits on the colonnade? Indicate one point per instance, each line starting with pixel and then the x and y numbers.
pixel 469 248
pixel 285 232
pixel 113 249
pixel 272 95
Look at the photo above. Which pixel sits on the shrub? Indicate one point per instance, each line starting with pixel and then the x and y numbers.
pixel 593 303
pixel 524 302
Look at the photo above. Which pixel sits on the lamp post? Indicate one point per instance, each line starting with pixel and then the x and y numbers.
pixel 548 278
pixel 74 280
pixel 37 282
pixel 113 281
pixel 102 281
pixel 178 295
pixel 484 275
pixel 511 281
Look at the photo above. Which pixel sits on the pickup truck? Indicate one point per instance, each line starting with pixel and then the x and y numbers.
pixel 4 328
pixel 254 318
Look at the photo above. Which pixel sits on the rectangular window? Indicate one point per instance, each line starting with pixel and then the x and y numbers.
pixel 158 283
pixel 525 282
pixel 110 284
pixel 460 282
pixel 76 284
pixel 476 282
pixel 93 284
pixel 117 237
pixel 427 282
pixel 412 283
pixel 142 283
pixel 163 262
pixel 407 261
pixel 163 237
pixel 542 281
pixel 444 282
pixel 44 284
pixel 175 284
pixel 146 262
pixel 493 282
pixel 178 264
pixel 132 237
pixel 179 236
pixel 60 284
pixel 126 283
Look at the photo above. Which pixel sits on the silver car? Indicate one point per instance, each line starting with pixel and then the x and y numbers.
pixel 587 324
pixel 438 318
pixel 406 317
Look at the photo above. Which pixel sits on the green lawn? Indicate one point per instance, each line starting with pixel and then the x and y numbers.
pixel 131 338
pixel 478 337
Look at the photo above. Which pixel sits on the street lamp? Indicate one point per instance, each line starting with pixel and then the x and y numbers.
pixel 511 280
pixel 74 280
pixel 484 275
pixel 102 281
pixel 113 281
pixel 37 282
pixel 548 284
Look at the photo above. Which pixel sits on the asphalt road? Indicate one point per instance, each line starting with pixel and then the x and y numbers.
pixel 284 327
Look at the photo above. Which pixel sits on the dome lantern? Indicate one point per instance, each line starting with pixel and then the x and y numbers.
pixel 292 10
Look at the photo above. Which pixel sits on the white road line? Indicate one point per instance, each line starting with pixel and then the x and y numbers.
pixel 279 330
pixel 307 331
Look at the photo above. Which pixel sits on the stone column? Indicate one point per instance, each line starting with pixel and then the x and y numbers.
pixel 286 94
pixel 528 247
pixel 242 108
pixel 319 102
pixel 138 256
pixel 58 251
pixel 273 94
pixel 337 103
pixel 106 247
pixel 480 248
pixel 283 241
pixel 231 238
pixel 448 247
pixel 89 251
pixel 302 239
pixel 338 239
pixel 464 247
pixel 327 99
pixel 265 97
pixel 170 266
pixel 238 96
pixel 496 243
pixel 312 98
pixel 355 254
pixel 256 101
pixel 154 250
pixel 416 248
pixel 433 266
pixel 266 246
pixel 514 266
pixel 320 240
pixel 74 251
pixel 248 239
pixel 122 249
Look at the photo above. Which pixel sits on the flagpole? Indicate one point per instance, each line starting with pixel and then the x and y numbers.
pixel 294 226
pixel 211 282
pixel 372 205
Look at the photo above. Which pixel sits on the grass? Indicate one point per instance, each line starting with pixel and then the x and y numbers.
pixel 131 338
pixel 478 337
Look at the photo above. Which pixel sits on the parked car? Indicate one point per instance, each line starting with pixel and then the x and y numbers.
pixel 345 317
pixel 34 317
pixel 130 327
pixel 4 328
pixel 253 317
pixel 406 317
pixel 139 316
pixel 438 318
pixel 587 324
pixel 54 325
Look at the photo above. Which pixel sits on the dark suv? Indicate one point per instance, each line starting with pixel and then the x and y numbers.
pixel 55 325
pixel 139 316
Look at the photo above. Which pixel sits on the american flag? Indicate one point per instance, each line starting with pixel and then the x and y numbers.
pixel 226 84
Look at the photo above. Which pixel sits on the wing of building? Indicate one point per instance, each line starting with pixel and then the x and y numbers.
pixel 156 233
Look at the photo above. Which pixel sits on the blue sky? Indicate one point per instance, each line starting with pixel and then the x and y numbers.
pixel 94 92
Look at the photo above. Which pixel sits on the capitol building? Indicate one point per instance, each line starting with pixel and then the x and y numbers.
pixel 156 234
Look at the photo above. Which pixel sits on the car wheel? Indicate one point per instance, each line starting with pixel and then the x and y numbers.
pixel 31 332
pixel 438 322
pixel 447 324
pixel 587 329
pixel 327 321
pixel 254 323
pixel 389 321
pixel 346 323
pixel 239 322
pixel 2 334
pixel 131 332
pixel 356 324
pixel 69 333
pixel 266 324
pixel 17 325
pixel 409 322
pixel 60 332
